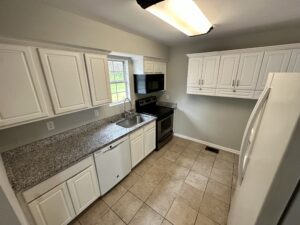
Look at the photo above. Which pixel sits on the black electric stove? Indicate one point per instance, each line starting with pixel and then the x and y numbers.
pixel 164 122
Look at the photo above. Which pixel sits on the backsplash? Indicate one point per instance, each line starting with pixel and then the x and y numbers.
pixel 17 136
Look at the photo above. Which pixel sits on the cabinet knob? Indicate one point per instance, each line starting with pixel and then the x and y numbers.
pixel 118 176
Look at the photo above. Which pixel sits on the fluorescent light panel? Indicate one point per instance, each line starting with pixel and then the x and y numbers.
pixel 184 15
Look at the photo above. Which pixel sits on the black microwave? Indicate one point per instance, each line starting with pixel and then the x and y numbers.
pixel 148 83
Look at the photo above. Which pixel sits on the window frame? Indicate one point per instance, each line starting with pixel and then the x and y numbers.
pixel 126 79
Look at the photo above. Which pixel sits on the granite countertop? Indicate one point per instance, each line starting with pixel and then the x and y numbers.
pixel 29 165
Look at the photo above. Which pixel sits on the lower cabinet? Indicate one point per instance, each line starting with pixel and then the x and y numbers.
pixel 149 139
pixel 84 189
pixel 142 143
pixel 62 203
pixel 53 208
pixel 137 147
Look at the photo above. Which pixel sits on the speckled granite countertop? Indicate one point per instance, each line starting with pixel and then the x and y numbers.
pixel 29 165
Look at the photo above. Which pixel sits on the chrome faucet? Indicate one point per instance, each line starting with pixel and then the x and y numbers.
pixel 127 112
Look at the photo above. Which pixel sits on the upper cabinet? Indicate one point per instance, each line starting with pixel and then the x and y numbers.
pixel 274 61
pixel 21 96
pixel 154 67
pixel 148 66
pixel 194 71
pixel 294 65
pixel 228 70
pixel 66 79
pixel 98 75
pixel 239 73
pixel 248 71
pixel 210 70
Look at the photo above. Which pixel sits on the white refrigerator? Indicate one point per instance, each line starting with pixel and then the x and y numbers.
pixel 269 166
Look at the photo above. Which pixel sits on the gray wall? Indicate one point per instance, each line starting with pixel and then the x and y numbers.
pixel 34 20
pixel 217 120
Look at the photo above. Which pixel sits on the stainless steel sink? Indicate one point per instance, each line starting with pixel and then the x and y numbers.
pixel 131 122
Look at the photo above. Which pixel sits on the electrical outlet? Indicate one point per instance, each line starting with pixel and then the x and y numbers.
pixel 167 97
pixel 97 112
pixel 50 125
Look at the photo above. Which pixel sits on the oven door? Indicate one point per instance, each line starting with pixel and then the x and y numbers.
pixel 164 127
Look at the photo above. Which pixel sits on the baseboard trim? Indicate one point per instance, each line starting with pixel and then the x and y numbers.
pixel 207 143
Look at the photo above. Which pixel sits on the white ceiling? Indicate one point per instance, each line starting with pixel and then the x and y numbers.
pixel 229 17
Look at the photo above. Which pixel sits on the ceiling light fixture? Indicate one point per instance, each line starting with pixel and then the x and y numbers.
pixel 184 15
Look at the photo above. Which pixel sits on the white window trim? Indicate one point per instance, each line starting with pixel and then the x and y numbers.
pixel 127 81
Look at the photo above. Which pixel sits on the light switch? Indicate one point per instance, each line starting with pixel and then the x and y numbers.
pixel 50 125
pixel 97 112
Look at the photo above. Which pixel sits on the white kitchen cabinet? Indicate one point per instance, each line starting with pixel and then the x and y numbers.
pixel 209 74
pixel 201 91
pixel 98 75
pixel 274 61
pixel 21 96
pixel 228 70
pixel 149 138
pixel 157 67
pixel 235 93
pixel 248 71
pixel 53 208
pixel 149 66
pixel 294 65
pixel 137 147
pixel 194 71
pixel 66 80
pixel 84 189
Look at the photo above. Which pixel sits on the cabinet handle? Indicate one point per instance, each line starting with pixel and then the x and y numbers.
pixel 237 83
pixel 202 82
pixel 233 83
pixel 199 82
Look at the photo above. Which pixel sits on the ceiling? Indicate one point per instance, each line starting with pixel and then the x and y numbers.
pixel 228 17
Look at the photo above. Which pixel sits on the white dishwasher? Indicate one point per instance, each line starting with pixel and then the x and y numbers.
pixel 113 163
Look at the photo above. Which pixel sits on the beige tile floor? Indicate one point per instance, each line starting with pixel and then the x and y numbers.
pixel 182 184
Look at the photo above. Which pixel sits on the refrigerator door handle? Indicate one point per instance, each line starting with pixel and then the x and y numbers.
pixel 244 154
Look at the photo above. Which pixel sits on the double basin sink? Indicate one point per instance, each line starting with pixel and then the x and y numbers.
pixel 131 121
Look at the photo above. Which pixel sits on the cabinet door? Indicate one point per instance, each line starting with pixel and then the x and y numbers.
pixel 98 75
pixel 53 208
pixel 66 79
pixel 210 70
pixel 274 61
pixel 294 65
pixel 228 70
pixel 84 189
pixel 157 67
pixel 148 67
pixel 137 150
pixel 248 72
pixel 150 140
pixel 21 97
pixel 194 71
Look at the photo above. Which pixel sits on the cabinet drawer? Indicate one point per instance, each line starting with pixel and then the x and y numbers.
pixel 136 134
pixel 202 91
pixel 235 94
pixel 149 126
